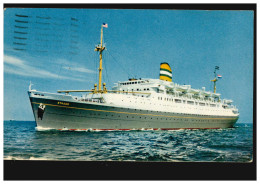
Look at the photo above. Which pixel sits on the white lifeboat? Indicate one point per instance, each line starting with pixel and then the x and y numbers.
pixel 194 91
pixel 182 88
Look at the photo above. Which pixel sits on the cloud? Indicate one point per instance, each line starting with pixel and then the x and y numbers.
pixel 17 66
pixel 77 69
pixel 68 65
pixel 13 60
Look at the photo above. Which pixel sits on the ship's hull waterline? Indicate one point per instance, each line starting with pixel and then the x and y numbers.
pixel 62 115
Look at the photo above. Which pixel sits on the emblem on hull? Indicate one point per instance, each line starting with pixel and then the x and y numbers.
pixel 41 110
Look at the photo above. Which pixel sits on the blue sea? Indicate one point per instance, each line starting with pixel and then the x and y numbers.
pixel 23 142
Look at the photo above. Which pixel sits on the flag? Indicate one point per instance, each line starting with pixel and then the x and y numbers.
pixel 105 25
pixel 219 76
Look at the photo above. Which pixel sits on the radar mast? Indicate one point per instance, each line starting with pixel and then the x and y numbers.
pixel 216 79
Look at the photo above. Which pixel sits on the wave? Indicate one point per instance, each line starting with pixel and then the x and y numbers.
pixel 22 158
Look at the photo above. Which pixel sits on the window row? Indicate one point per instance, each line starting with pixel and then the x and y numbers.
pixel 184 101
pixel 128 83
pixel 145 89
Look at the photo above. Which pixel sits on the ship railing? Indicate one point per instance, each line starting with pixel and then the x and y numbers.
pixel 128 92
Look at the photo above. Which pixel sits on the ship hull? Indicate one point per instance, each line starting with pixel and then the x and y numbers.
pixel 64 115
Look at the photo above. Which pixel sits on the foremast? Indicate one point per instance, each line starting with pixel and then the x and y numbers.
pixel 99 48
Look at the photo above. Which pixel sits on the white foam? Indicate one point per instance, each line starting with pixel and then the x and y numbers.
pixel 34 158
pixel 39 128
pixel 177 130
pixel 21 158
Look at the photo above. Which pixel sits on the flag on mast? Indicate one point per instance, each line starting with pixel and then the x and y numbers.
pixel 219 76
pixel 105 25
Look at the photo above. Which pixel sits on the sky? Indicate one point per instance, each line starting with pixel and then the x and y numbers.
pixel 54 49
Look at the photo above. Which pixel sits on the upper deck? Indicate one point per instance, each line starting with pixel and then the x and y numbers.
pixel 157 86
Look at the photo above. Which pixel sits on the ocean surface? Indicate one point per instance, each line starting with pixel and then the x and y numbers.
pixel 23 142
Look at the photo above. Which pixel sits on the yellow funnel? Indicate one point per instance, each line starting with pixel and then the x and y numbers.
pixel 165 72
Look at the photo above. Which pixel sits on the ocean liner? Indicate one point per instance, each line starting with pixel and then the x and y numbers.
pixel 135 104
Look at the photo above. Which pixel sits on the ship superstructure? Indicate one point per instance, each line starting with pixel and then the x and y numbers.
pixel 134 104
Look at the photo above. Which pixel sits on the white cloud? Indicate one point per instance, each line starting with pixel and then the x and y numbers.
pixel 20 67
pixel 77 69
pixel 12 60
pixel 72 67
pixel 68 65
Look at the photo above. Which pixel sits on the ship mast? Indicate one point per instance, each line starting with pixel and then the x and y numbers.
pixel 215 80
pixel 99 48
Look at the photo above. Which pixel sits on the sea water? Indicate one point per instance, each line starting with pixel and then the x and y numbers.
pixel 22 141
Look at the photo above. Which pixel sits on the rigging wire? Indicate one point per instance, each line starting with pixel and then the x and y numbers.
pixel 107 76
pixel 96 66
pixel 119 64
pixel 211 86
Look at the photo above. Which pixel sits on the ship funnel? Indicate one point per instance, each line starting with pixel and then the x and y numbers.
pixel 165 72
